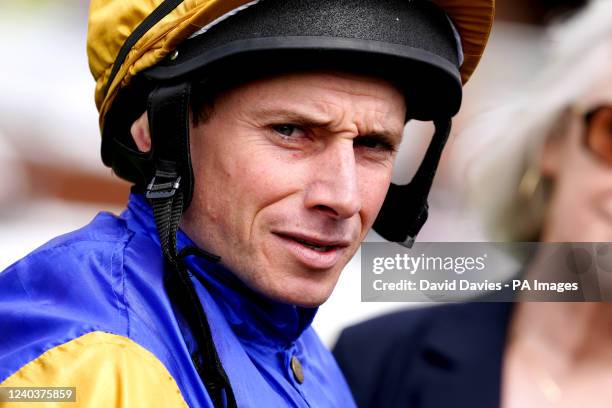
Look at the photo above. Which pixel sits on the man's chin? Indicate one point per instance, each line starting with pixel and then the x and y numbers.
pixel 299 293
pixel 304 301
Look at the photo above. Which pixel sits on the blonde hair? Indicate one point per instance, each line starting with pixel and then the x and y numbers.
pixel 510 138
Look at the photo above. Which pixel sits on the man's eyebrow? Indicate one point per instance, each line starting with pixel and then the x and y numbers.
pixel 294 116
pixel 307 119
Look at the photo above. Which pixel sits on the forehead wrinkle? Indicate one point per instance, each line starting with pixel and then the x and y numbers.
pixel 369 122
pixel 379 113
pixel 366 122
pixel 331 112
pixel 298 114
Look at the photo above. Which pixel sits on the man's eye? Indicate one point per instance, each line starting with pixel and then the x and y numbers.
pixel 285 130
pixel 373 143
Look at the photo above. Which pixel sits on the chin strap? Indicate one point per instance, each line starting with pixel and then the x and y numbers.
pixel 169 194
pixel 405 209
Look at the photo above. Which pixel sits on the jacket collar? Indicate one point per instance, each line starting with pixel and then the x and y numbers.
pixel 251 315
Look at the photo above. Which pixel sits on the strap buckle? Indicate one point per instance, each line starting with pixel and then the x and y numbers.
pixel 168 189
pixel 409 242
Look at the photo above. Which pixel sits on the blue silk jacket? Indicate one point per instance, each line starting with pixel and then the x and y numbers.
pixel 89 310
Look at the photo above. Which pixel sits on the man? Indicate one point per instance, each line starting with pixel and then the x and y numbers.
pixel 260 138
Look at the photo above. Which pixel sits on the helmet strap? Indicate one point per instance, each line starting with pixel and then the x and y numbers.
pixel 405 208
pixel 169 193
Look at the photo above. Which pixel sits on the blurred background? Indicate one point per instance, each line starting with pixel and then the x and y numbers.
pixel 53 181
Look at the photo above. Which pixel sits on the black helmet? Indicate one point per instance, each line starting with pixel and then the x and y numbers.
pixel 414 43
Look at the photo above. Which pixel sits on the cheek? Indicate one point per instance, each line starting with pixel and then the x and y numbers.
pixel 374 184
pixel 239 184
pixel 263 177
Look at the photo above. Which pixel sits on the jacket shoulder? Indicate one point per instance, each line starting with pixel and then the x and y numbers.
pixel 70 286
pixel 68 266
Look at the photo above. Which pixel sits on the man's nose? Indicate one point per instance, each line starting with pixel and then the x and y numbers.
pixel 334 187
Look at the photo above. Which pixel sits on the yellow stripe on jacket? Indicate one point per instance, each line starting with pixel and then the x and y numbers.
pixel 107 370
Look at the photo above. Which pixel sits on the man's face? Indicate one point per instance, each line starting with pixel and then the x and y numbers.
pixel 290 173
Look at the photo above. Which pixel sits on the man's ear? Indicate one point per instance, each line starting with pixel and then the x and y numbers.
pixel 141 134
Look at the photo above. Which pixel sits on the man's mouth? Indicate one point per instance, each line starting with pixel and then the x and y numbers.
pixel 313 243
pixel 318 248
pixel 313 251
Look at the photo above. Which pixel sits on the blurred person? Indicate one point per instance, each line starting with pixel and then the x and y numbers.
pixel 543 173
pixel 260 138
